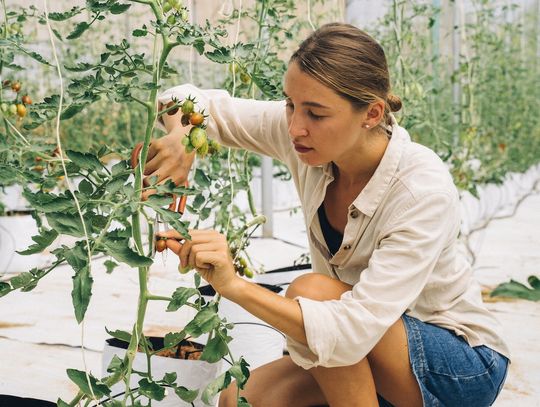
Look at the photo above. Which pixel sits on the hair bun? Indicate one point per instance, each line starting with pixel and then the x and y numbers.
pixel 394 102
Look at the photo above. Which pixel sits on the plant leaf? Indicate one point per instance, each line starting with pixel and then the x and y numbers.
pixel 66 223
pixel 85 161
pixel 205 320
pixel 79 29
pixel 180 297
pixel 82 291
pixel 65 15
pixel 187 395
pixel 515 289
pixel 110 265
pixel 98 388
pixel 214 387
pixel 152 390
pixel 120 251
pixel 215 349
pixel 21 280
pixel 119 8
pixel 42 240
pixel 120 335
pixel 173 338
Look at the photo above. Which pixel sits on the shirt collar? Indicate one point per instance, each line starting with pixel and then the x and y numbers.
pixel 369 199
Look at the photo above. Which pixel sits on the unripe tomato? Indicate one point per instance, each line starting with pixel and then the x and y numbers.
pixel 248 272
pixel 184 15
pixel 39 168
pixel 26 100
pixel 12 109
pixel 245 78
pixel 167 7
pixel 4 107
pixel 196 118
pixel 185 141
pixel 187 106
pixel 203 150
pixel 16 86
pixel 161 245
pixel 171 20
pixel 197 136
pixel 183 270
pixel 21 110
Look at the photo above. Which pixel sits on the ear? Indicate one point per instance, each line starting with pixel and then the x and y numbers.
pixel 374 114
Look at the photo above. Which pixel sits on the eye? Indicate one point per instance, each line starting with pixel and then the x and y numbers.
pixel 314 116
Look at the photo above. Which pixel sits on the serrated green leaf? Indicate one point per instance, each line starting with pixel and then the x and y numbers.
pixel 42 240
pixel 65 15
pixel 66 223
pixel 174 220
pixel 157 201
pixel 45 202
pixel 21 280
pixel 139 33
pixel 80 67
pixel 173 338
pixel 214 387
pixel 220 55
pixel 187 395
pixel 79 30
pixel 86 161
pixel 240 371
pixel 205 320
pixel 152 390
pixel 110 265
pixel 215 349
pixel 4 288
pixel 77 256
pixel 120 251
pixel 96 388
pixel 515 289
pixel 202 179
pixel 81 293
pixel 170 378
pixel 72 110
pixel 119 334
pixel 180 297
pixel 119 8
pixel 115 364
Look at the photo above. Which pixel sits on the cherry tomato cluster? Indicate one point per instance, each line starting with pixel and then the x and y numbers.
pixel 176 11
pixel 197 139
pixel 240 264
pixel 18 106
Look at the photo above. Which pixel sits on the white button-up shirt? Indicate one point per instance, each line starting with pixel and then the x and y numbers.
pixel 400 248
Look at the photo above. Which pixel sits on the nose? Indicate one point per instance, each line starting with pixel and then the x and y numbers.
pixel 297 127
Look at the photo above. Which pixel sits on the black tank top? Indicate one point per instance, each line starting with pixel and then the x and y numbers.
pixel 332 237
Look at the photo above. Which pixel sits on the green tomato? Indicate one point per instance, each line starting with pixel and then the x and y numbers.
pixel 12 109
pixel 185 141
pixel 167 7
pixel 187 106
pixel 197 137
pixel 4 107
pixel 203 150
pixel 183 270
pixel 171 20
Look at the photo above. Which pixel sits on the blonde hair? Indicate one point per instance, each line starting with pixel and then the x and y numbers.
pixel 351 62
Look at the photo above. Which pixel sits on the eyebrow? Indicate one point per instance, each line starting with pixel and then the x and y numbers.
pixel 308 103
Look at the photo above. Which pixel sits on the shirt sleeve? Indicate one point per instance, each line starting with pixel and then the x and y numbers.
pixel 342 332
pixel 254 125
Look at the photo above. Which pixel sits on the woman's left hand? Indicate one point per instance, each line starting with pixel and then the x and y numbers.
pixel 207 252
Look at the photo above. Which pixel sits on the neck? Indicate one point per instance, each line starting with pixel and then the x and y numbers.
pixel 358 168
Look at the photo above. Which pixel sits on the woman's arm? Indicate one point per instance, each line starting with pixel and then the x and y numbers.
pixel 208 252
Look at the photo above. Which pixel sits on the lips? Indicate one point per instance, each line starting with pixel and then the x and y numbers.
pixel 301 148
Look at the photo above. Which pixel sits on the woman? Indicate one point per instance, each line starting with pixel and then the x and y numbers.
pixel 391 315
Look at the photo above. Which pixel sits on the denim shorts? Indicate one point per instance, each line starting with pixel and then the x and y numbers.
pixel 449 371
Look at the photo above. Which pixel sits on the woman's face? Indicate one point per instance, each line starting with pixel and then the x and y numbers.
pixel 323 126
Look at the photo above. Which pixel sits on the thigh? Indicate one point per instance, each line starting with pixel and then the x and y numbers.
pixel 392 371
pixel 280 383
pixel 449 370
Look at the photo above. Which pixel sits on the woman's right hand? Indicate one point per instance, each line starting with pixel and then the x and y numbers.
pixel 168 159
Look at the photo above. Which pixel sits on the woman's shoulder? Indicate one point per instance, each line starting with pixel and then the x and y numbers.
pixel 422 172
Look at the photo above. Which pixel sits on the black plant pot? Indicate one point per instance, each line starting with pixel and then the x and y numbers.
pixel 15 401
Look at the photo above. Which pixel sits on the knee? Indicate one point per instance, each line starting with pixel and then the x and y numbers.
pixel 227 398
pixel 316 287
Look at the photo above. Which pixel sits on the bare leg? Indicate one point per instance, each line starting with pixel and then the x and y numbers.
pixel 386 370
pixel 280 383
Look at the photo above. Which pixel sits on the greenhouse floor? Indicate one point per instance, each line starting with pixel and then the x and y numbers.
pixel 39 337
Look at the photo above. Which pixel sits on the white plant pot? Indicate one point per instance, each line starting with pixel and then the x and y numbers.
pixel 16 234
pixel 192 374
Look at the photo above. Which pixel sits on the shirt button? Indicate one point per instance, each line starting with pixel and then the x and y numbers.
pixel 347 247
pixel 354 214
